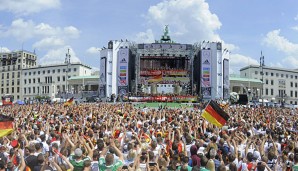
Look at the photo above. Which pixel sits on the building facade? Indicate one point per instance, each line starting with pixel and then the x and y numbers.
pixel 25 80
pixel 11 66
pixel 51 80
pixel 280 85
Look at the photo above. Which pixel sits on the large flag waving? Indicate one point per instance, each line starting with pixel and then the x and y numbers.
pixel 69 102
pixel 6 125
pixel 215 115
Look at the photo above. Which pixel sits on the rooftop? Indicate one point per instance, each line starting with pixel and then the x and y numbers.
pixel 238 78
pixel 84 77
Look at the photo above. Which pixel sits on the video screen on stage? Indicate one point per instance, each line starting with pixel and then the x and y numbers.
pixel 164 75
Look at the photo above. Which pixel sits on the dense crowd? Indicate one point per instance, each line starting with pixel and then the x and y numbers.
pixel 122 137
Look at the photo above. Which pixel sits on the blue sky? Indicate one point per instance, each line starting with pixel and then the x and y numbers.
pixel 245 27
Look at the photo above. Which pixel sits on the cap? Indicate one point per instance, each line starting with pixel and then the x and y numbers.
pixel 78 152
pixel 14 143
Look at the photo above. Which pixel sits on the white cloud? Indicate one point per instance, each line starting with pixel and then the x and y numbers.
pixel 291 61
pixel 49 42
pixel 274 40
pixel 71 32
pixel 188 20
pixel 296 18
pixel 295 28
pixel 57 56
pixel 94 69
pixel 144 37
pixel 4 49
pixel 230 47
pixel 238 61
pixel 24 7
pixel 46 35
pixel 93 50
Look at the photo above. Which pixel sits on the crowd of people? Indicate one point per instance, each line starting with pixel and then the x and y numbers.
pixel 112 137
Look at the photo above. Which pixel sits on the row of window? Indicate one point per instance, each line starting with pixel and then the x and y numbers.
pixel 49 71
pixel 47 80
pixel 277 75
pixel 281 93
pixel 272 83
pixel 12 75
pixel 10 92
pixel 7 83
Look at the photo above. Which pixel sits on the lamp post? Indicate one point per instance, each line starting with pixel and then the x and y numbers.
pixel 262 74
pixel 67 62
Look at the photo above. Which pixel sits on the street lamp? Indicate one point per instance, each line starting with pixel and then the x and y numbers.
pixel 262 64
pixel 67 62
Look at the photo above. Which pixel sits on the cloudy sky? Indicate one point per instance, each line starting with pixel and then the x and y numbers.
pixel 50 27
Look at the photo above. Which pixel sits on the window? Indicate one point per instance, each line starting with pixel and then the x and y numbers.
pixel 296 85
pixel 29 90
pixel 25 90
pixel 34 73
pixel 29 80
pixel 18 82
pixel 272 74
pixel 25 73
pixel 291 83
pixel 29 73
pixel 19 74
pixel 58 78
pixel 266 73
pixel 2 91
pixel 287 75
pixel 295 93
pixel 12 89
pixel 7 75
pixel 58 70
pixel 49 71
pixel 63 70
pixel 12 82
pixel 75 69
pixel 69 69
pixel 266 91
pixel 7 90
pixel 272 92
pixel 25 81
pixel 296 77
pixel 281 75
pixel 292 76
pixel 38 80
pixel 34 80
pixel 43 72
pixel 38 72
pixel 53 71
pixel 267 82
pixel 18 89
pixel 33 90
pixel 63 78
pixel 272 82
pixel 277 74
pixel 291 93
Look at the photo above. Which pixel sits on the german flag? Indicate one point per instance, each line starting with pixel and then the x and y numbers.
pixel 69 102
pixel 215 115
pixel 6 125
